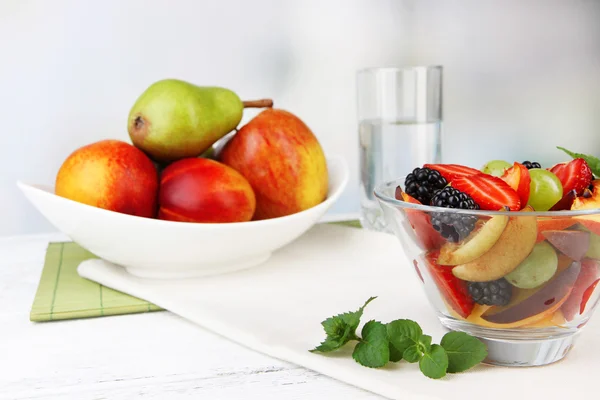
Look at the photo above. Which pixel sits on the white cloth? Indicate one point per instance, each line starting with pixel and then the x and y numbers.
pixel 277 308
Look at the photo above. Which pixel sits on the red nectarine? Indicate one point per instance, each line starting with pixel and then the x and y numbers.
pixel 204 190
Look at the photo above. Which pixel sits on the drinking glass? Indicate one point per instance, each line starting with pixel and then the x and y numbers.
pixel 400 124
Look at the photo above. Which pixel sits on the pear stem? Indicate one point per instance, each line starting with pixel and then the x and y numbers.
pixel 262 103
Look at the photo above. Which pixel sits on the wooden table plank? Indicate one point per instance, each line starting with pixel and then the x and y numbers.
pixel 157 355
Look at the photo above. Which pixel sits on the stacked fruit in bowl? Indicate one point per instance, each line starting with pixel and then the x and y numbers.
pixel 508 247
pixel 194 192
pixel 271 167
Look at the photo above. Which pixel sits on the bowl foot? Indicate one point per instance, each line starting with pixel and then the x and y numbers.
pixel 194 271
pixel 512 348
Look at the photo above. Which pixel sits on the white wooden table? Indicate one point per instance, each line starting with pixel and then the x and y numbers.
pixel 151 356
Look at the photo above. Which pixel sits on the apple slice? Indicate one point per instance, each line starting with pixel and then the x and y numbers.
pixel 590 271
pixel 573 244
pixel 539 305
pixel 476 244
pixel 513 246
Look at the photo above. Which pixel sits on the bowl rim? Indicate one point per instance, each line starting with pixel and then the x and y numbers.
pixel 384 198
pixel 338 188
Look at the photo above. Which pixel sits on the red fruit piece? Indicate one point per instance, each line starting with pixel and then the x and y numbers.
pixel 518 178
pixel 574 175
pixel 428 238
pixel 455 291
pixel 586 295
pixel 490 192
pixel 590 272
pixel 566 202
pixel 552 224
pixel 452 171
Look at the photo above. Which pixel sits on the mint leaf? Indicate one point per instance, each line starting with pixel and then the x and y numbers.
pixel 333 343
pixel 395 355
pixel 425 343
pixel 464 351
pixel 412 354
pixel 340 329
pixel 434 363
pixel 592 161
pixel 373 349
pixel 403 333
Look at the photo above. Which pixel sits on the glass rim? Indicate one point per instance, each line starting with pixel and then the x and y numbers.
pixel 379 193
pixel 399 68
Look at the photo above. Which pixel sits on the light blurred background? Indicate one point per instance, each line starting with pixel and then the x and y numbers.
pixel 521 76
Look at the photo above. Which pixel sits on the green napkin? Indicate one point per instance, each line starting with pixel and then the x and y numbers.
pixel 63 294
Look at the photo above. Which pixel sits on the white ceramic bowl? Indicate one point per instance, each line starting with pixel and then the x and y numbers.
pixel 153 248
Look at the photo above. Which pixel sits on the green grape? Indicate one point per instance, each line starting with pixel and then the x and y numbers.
pixel 538 268
pixel 545 189
pixel 495 167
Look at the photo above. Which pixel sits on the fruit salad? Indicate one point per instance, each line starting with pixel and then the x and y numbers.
pixel 488 254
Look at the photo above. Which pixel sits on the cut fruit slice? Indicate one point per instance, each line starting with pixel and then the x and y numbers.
pixel 427 238
pixel 452 171
pixel 553 224
pixel 574 175
pixel 557 319
pixel 594 249
pixel 565 202
pixel 476 244
pixel 518 178
pixel 537 269
pixel 539 305
pixel 513 246
pixel 586 295
pixel 489 192
pixel 590 271
pixel 454 291
pixel 573 244
pixel 590 200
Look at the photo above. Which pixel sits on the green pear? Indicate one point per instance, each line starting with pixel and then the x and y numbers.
pixel 174 119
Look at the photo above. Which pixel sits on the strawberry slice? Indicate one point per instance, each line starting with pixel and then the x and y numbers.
pixel 427 238
pixel 490 192
pixel 518 178
pixel 455 291
pixel 574 175
pixel 590 272
pixel 586 295
pixel 452 171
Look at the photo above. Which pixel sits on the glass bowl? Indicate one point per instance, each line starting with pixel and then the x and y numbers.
pixel 523 282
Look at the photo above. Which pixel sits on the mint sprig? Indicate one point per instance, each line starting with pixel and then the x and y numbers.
pixel 593 162
pixel 340 329
pixel 379 344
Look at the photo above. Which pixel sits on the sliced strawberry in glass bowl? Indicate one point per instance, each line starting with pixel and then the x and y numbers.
pixel 490 192
pixel 499 269
pixel 452 171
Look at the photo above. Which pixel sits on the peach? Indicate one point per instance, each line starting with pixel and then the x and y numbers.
pixel 110 174
pixel 204 190
pixel 589 200
pixel 283 161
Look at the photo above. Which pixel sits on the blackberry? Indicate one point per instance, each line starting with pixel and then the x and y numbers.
pixel 422 183
pixel 453 227
pixel 494 293
pixel 531 165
